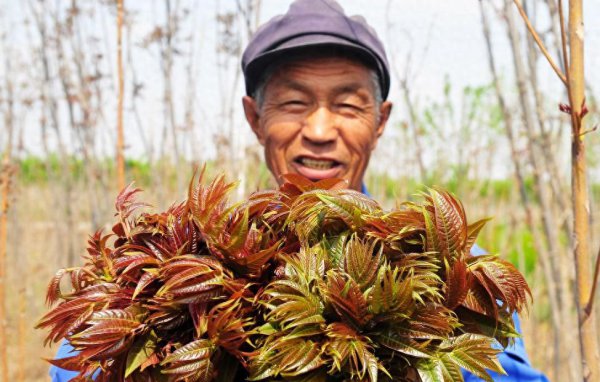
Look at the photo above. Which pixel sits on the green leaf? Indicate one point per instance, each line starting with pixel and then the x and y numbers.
pixel 430 371
pixel 237 232
pixel 141 350
pixel 344 209
pixel 474 322
pixel 390 293
pixel 432 240
pixel 266 329
pixel 361 262
pixel 474 353
pixel 451 371
pixel 194 351
pixel 285 357
pixel 400 344
pixel 304 330
pixel 202 370
pixel 473 231
pixel 292 302
pixel 335 248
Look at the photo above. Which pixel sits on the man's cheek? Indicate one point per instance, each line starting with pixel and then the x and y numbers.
pixel 361 150
pixel 277 161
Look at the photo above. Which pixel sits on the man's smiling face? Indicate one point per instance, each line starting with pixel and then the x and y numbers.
pixel 319 118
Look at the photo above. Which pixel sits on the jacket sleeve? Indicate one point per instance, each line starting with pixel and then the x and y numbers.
pixel 61 375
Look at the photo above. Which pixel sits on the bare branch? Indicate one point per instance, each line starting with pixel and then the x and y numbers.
pixel 590 304
pixel 563 39
pixel 539 42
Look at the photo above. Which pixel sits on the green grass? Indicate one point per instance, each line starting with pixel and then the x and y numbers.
pixel 38 171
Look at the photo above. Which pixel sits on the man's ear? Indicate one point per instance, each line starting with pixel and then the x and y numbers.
pixel 384 114
pixel 253 117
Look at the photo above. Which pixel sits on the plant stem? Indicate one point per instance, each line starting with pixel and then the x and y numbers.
pixel 563 39
pixel 590 304
pixel 539 42
pixel 120 137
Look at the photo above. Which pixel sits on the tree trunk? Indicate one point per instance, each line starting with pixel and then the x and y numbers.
pixel 587 329
pixel 554 199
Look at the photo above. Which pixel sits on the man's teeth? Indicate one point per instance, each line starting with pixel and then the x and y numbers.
pixel 317 163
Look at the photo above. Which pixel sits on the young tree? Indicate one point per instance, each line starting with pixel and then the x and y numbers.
pixel 574 80
pixel 120 137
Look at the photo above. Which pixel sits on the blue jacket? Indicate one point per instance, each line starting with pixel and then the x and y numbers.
pixel 513 359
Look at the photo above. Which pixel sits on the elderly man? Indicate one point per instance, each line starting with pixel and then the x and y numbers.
pixel 317 83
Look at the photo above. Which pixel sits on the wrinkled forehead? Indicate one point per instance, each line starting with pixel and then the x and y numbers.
pixel 335 74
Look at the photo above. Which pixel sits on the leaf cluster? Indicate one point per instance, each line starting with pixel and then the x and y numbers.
pixel 310 282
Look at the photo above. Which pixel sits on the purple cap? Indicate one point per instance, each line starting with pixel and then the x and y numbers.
pixel 311 23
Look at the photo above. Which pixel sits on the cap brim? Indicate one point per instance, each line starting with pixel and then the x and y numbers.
pixel 256 68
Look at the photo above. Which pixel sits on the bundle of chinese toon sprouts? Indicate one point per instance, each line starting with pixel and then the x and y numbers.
pixel 311 282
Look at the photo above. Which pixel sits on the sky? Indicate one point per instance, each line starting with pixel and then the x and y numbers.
pixel 434 41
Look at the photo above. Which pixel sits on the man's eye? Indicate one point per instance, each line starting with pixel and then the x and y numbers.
pixel 349 106
pixel 293 105
pixel 294 102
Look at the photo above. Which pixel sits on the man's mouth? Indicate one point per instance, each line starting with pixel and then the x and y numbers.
pixel 317 164
pixel 317 168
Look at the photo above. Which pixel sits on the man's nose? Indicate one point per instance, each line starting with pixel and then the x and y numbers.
pixel 320 127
